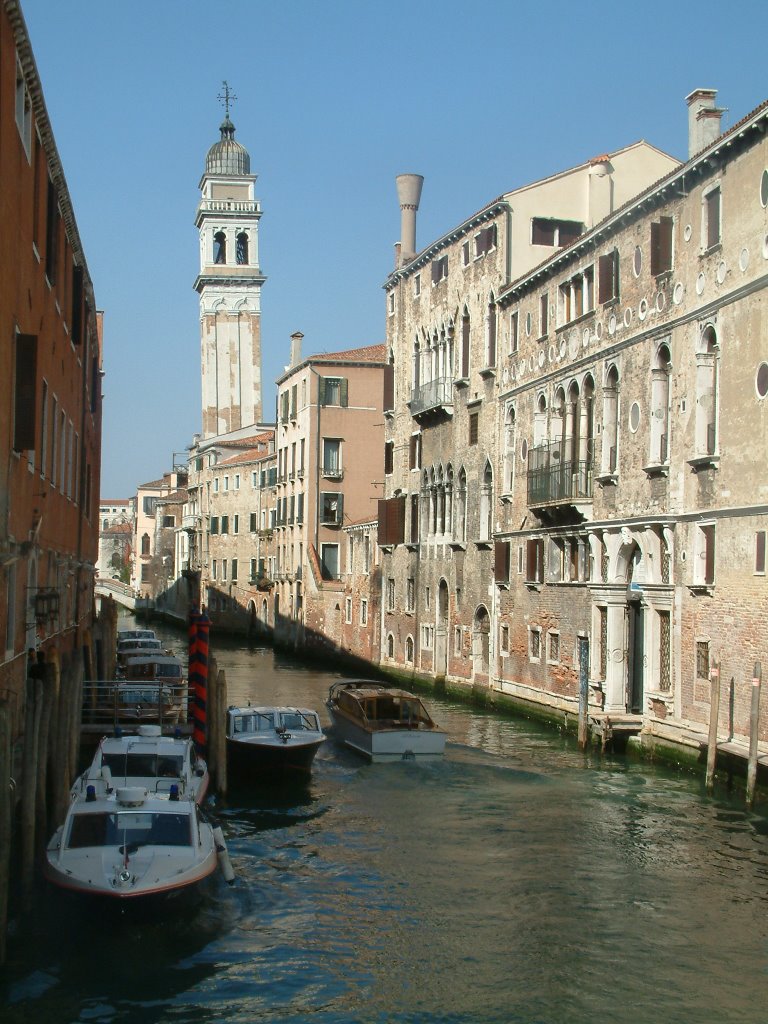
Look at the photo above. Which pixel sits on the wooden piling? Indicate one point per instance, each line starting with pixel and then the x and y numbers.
pixel 33 712
pixel 221 728
pixel 6 819
pixel 714 714
pixel 754 721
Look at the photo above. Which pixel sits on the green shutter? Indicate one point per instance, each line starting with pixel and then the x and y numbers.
pixel 344 392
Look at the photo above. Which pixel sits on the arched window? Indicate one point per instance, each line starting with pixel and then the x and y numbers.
pixel 465 343
pixel 509 450
pixel 540 422
pixel 105 525
pixel 242 248
pixel 486 504
pixel 145 544
pixel 416 363
pixel 660 377
pixel 609 460
pixel 490 333
pixel 219 247
pixel 460 515
pixel 409 649
pixel 449 501
pixel 390 645
pixel 706 393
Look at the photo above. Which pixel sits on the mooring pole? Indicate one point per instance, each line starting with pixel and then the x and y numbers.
pixel 714 714
pixel 583 693
pixel 754 721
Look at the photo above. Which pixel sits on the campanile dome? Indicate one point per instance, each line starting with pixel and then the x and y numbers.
pixel 227 156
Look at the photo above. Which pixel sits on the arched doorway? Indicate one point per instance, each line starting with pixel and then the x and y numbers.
pixel 481 641
pixel 441 633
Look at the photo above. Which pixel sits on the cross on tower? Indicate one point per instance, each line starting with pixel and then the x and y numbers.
pixel 226 97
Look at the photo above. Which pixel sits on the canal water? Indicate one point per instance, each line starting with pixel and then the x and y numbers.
pixel 514 880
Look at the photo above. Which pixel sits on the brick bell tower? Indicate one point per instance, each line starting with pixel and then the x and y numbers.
pixel 229 285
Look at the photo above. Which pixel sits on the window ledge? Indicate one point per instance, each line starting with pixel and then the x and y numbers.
pixel 533 585
pixel 572 323
pixel 613 301
pixel 474 402
pixel 483 545
pixel 717 247
pixel 457 545
pixel 656 469
pixel 410 545
pixel 607 479
pixel 663 276
pixel 388 548
pixel 542 339
pixel 502 584
pixel 704 462
pixel 507 498
pixel 389 414
pixel 701 588
pixel 461 382
pixel 488 371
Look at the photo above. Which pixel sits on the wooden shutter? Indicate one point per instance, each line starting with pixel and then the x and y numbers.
pixel 392 520
pixel 501 561
pixel 661 246
pixel 607 276
pixel 321 391
pixel 343 392
pixel 389 387
pixel 25 393
pixel 76 326
pixel 389 456
pixel 713 217
pixel 473 427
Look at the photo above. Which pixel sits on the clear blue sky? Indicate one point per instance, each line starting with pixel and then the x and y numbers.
pixel 334 99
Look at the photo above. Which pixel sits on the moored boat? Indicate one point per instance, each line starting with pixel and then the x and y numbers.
pixel 269 740
pixel 383 723
pixel 131 845
pixel 147 759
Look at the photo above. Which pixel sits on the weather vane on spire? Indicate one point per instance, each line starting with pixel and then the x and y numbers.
pixel 226 97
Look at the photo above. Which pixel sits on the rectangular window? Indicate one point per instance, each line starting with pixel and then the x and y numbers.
pixel 214 525
pixel 334 391
pixel 391 515
pixel 329 561
pixel 237 482
pixel 474 421
pixel 414 454
pixel 390 594
pixel 294 400
pixel 711 214
pixel 608 276
pixel 514 332
pixel 426 598
pixel 225 524
pixel 234 570
pixel 253 522
pixel 426 637
pixel 363 612
pixel 704 568
pixel 502 550
pixel 223 568
pixel 215 485
pixel 702 659
pixel 410 601
pixel 505 639
pixel 254 569
pixel 417 285
pixel 760 553
pixel 23 110
pixel 465 254
pixel 661 246
pixel 557 233
pixel 485 240
pixel 389 457
pixel 235 524
pixel 439 269
pixel 51 233
pixel 553 648
pixel 44 428
pixel 284 398
pixel 577 295
pixel 25 393
pixel 534 643
pixel 145 573
pixel 169 522
pixel 544 315
pixel 226 484
pixel 331 508
pixel 331 457
pixel 535 561
pixel 348 610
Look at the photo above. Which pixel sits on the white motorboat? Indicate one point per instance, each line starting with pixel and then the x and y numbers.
pixel 134 646
pixel 136 634
pixel 268 740
pixel 129 845
pixel 383 723
pixel 147 759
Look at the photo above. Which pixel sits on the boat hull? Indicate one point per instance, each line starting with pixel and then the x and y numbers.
pixel 257 757
pixel 396 744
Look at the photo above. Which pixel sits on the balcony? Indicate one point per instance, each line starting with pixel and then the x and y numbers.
pixel 559 490
pixel 229 206
pixel 191 523
pixel 434 397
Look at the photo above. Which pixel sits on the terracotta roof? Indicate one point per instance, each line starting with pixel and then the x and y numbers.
pixel 251 442
pixel 369 354
pixel 115 501
pixel 242 458
pixel 152 484
pixel 119 528
pixel 174 497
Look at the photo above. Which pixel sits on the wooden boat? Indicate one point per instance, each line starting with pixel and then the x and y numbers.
pixel 132 647
pixel 383 723
pixel 149 760
pixel 126 702
pixel 161 668
pixel 268 740
pixel 128 844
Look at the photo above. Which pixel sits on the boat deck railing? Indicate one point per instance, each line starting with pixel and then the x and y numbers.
pixel 117 703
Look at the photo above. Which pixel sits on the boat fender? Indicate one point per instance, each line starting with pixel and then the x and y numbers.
pixel 223 856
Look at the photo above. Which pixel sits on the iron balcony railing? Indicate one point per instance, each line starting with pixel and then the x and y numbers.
pixel 433 395
pixel 552 479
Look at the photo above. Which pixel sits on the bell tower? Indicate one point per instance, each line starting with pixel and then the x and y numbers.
pixel 229 285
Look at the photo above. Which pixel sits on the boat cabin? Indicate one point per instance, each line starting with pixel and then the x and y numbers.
pixel 244 721
pixel 135 634
pixel 384 708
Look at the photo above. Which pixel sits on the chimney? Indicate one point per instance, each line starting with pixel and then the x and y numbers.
pixel 296 348
pixel 600 188
pixel 703 119
pixel 409 194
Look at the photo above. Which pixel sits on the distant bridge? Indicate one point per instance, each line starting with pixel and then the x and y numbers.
pixel 121 592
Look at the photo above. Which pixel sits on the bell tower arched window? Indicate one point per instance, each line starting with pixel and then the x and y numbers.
pixel 219 247
pixel 242 248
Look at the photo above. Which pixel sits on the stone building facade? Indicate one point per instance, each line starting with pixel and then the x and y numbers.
pixel 445 342
pixel 581 502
